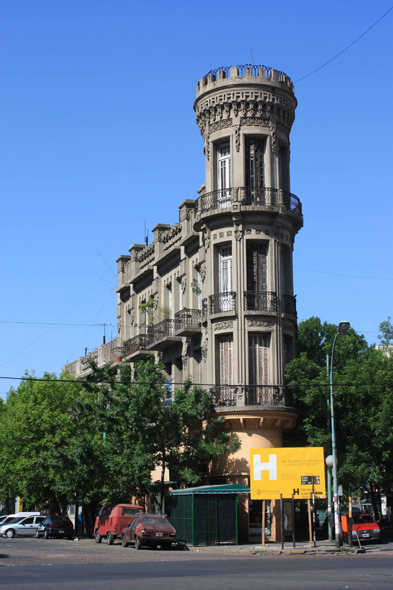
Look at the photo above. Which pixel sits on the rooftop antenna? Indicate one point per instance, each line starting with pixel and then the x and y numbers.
pixel 146 235
pixel 252 57
pixel 104 338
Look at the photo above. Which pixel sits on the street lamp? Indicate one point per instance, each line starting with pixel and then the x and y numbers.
pixel 342 329
pixel 329 463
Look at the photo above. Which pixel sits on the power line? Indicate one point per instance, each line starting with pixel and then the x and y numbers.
pixel 342 275
pixel 46 331
pixel 341 52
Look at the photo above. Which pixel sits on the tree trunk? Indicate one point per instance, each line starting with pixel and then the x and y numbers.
pixel 162 484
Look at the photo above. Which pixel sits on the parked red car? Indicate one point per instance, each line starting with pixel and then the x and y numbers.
pixel 151 530
pixel 366 528
pixel 111 520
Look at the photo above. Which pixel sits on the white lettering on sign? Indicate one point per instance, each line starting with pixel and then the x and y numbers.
pixel 271 467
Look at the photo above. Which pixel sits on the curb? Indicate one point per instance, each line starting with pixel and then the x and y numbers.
pixel 270 552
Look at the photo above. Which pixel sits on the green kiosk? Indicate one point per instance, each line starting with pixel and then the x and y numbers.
pixel 206 515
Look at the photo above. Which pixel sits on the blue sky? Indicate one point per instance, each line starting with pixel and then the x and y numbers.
pixel 99 135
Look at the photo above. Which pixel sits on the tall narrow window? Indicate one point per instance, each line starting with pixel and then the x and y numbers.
pixel 283 168
pixel 286 287
pixel 283 273
pixel 169 312
pixel 180 296
pixel 226 368
pixel 226 269
pixel 258 359
pixel 225 302
pixel 256 296
pixel 255 171
pixel 256 267
pixel 223 176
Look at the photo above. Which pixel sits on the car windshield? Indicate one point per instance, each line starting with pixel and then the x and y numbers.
pixel 155 520
pixel 363 519
pixel 131 511
pixel 15 520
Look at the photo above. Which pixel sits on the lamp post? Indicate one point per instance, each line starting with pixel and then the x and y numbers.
pixel 342 329
pixel 329 463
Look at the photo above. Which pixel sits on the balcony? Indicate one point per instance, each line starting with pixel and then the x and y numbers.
pixel 232 396
pixel 116 355
pixel 222 302
pixel 260 301
pixel 268 395
pixel 162 335
pixel 265 197
pixel 136 348
pixel 188 322
pixel 288 305
pixel 220 199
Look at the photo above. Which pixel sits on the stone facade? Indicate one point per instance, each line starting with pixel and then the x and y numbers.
pixel 219 283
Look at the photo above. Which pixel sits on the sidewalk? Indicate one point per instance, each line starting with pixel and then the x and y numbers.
pixel 302 548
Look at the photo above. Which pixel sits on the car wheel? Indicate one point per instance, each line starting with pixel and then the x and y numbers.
pixel 97 538
pixel 36 534
pixel 110 538
pixel 10 533
pixel 46 534
pixel 137 544
pixel 124 541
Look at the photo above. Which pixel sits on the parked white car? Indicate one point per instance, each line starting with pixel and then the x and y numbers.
pixel 8 517
pixel 21 526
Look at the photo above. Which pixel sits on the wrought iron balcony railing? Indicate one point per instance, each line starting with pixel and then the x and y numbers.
pixel 288 305
pixel 267 395
pixel 260 301
pixel 220 199
pixel 249 196
pixel 227 396
pixel 135 344
pixel 260 196
pixel 224 395
pixel 161 331
pixel 188 319
pixel 222 302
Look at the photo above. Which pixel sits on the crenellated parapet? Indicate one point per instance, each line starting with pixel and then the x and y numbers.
pixel 239 96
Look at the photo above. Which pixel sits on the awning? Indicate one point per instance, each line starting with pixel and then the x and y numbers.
pixel 231 488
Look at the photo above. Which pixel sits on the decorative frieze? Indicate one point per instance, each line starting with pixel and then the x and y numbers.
pixel 259 323
pixel 223 326
pixel 170 238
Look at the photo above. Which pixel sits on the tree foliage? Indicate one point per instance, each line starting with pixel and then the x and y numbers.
pixel 363 402
pixel 101 439
pixel 146 431
pixel 48 445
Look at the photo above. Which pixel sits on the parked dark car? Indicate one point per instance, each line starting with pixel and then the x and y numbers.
pixel 56 526
pixel 149 530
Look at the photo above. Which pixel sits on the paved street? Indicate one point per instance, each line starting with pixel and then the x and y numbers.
pixel 62 564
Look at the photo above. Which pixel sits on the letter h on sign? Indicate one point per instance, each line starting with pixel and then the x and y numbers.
pixel 271 467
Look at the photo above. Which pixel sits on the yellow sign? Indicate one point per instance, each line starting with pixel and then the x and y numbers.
pixel 286 471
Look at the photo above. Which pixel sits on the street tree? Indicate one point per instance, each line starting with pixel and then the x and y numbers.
pixel 363 403
pixel 48 445
pixel 150 429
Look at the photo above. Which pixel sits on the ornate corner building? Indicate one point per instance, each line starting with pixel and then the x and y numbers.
pixel 218 285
